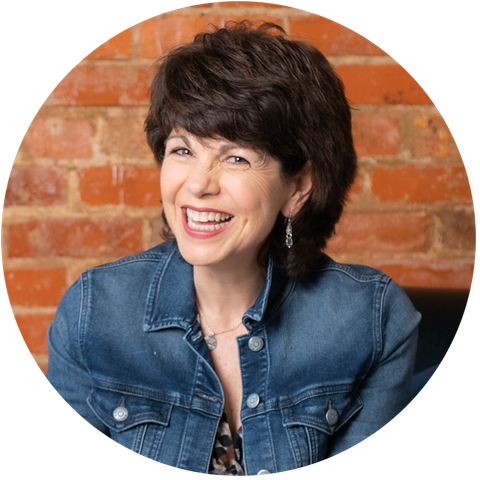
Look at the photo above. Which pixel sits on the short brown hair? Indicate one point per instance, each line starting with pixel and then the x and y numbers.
pixel 258 88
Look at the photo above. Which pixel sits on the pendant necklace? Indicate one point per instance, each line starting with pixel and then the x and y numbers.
pixel 210 339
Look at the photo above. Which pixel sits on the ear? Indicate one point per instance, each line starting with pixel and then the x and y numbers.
pixel 302 188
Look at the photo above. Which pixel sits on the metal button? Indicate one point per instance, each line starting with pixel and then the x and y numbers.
pixel 253 400
pixel 263 472
pixel 120 414
pixel 331 416
pixel 256 344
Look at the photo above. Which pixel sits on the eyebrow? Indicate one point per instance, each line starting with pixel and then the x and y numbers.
pixel 224 148
pixel 181 137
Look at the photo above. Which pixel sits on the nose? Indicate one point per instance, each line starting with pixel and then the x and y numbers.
pixel 203 179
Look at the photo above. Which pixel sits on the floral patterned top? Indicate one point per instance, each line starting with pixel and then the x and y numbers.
pixel 227 452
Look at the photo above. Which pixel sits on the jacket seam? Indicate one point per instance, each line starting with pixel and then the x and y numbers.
pixel 315 392
pixel 379 321
pixel 138 257
pixel 347 270
pixel 126 261
pixel 150 395
pixel 82 321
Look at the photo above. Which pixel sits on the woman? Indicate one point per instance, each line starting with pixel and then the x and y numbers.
pixel 239 347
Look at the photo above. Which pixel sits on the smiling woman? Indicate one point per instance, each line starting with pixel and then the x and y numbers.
pixel 238 346
pixel 243 187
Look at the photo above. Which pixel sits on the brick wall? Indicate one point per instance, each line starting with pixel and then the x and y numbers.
pixel 84 189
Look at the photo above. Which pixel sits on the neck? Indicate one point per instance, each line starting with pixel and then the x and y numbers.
pixel 224 295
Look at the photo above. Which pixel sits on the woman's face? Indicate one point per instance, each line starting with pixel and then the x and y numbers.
pixel 221 200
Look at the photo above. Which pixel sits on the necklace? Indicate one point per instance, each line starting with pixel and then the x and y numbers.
pixel 210 339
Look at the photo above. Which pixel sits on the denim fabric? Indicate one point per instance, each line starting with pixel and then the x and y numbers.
pixel 126 334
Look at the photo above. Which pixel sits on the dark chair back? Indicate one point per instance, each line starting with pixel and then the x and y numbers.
pixel 442 311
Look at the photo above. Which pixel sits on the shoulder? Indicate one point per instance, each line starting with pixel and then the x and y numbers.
pixel 152 256
pixel 333 280
pixel 120 279
pixel 132 269
pixel 357 291
pixel 349 273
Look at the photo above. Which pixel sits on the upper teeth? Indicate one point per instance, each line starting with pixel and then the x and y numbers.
pixel 207 216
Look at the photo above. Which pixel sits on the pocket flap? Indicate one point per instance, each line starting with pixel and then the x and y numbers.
pixel 326 412
pixel 120 411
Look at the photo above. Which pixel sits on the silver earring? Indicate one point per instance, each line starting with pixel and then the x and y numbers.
pixel 288 237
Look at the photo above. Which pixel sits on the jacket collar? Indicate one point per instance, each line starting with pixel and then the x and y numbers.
pixel 171 298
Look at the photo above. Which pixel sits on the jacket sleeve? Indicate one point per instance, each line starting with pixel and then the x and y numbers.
pixel 67 371
pixel 386 389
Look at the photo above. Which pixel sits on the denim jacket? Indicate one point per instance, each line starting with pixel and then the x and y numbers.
pixel 327 361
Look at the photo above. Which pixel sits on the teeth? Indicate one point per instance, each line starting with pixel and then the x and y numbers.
pixel 205 228
pixel 202 217
pixel 207 216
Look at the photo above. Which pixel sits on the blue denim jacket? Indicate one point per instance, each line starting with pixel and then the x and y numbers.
pixel 127 353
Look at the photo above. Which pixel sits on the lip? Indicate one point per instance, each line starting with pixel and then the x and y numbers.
pixel 184 207
pixel 202 234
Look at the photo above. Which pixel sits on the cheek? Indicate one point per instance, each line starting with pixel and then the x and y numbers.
pixel 169 183
pixel 262 201
pixel 273 195
pixel 169 188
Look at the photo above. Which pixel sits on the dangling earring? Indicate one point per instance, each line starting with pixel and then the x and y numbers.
pixel 288 236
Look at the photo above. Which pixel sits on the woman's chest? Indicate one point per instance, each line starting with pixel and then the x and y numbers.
pixel 226 361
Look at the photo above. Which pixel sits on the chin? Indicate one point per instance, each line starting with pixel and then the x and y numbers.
pixel 199 256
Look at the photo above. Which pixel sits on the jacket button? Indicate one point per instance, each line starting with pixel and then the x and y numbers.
pixel 332 416
pixel 253 400
pixel 256 344
pixel 120 414
pixel 263 472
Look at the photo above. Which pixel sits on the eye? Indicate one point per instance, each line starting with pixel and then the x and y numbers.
pixel 238 160
pixel 181 151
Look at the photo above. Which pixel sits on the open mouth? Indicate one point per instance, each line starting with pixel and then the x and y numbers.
pixel 207 221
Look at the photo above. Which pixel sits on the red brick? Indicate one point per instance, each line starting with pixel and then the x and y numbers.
pixel 416 184
pixel 118 47
pixel 34 331
pixel 72 237
pixel 35 287
pixel 376 135
pixel 126 137
pixel 160 34
pixel 100 185
pixel 458 230
pixel 136 186
pixel 383 232
pixel 331 38
pixel 107 85
pixel 441 274
pixel 36 186
pixel 60 138
pixel 381 84
pixel 142 186
pixel 434 137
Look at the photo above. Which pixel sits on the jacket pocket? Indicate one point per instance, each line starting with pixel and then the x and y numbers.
pixel 135 421
pixel 311 422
